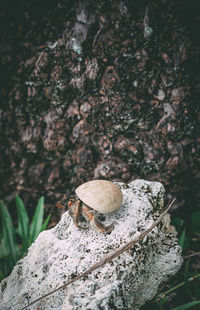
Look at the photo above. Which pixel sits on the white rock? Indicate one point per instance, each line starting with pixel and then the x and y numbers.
pixel 63 252
pixel 161 95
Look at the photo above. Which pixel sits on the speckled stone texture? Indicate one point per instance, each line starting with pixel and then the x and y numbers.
pixel 63 252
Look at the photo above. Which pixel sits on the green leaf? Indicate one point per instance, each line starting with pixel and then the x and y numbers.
pixel 44 226
pixel 188 305
pixel 1 275
pixel 177 222
pixel 195 221
pixel 162 301
pixel 9 233
pixel 36 224
pixel 23 223
pixel 4 252
pixel 6 265
pixel 182 238
pixel 186 279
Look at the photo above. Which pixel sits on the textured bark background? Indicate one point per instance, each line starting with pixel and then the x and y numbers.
pixel 98 89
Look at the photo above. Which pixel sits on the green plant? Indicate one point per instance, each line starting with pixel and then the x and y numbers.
pixel 183 291
pixel 14 242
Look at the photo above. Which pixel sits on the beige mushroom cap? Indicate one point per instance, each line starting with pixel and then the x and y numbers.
pixel 100 195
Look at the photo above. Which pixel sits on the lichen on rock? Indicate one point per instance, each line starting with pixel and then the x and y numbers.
pixel 126 282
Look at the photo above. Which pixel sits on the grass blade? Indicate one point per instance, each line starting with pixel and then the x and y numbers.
pixel 4 252
pixel 44 226
pixel 36 224
pixel 6 266
pixel 186 279
pixel 1 275
pixel 195 222
pixel 182 238
pixel 23 223
pixel 9 234
pixel 188 305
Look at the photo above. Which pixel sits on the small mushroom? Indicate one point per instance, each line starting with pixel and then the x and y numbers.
pixel 100 195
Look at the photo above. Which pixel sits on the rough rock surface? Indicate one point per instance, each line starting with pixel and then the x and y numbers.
pixel 63 252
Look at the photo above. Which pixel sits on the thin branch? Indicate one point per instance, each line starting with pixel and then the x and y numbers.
pixel 191 255
pixel 108 257
pixel 164 294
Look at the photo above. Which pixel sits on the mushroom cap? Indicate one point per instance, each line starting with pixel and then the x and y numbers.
pixel 100 195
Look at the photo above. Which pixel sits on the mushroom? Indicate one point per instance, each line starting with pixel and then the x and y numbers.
pixel 100 195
